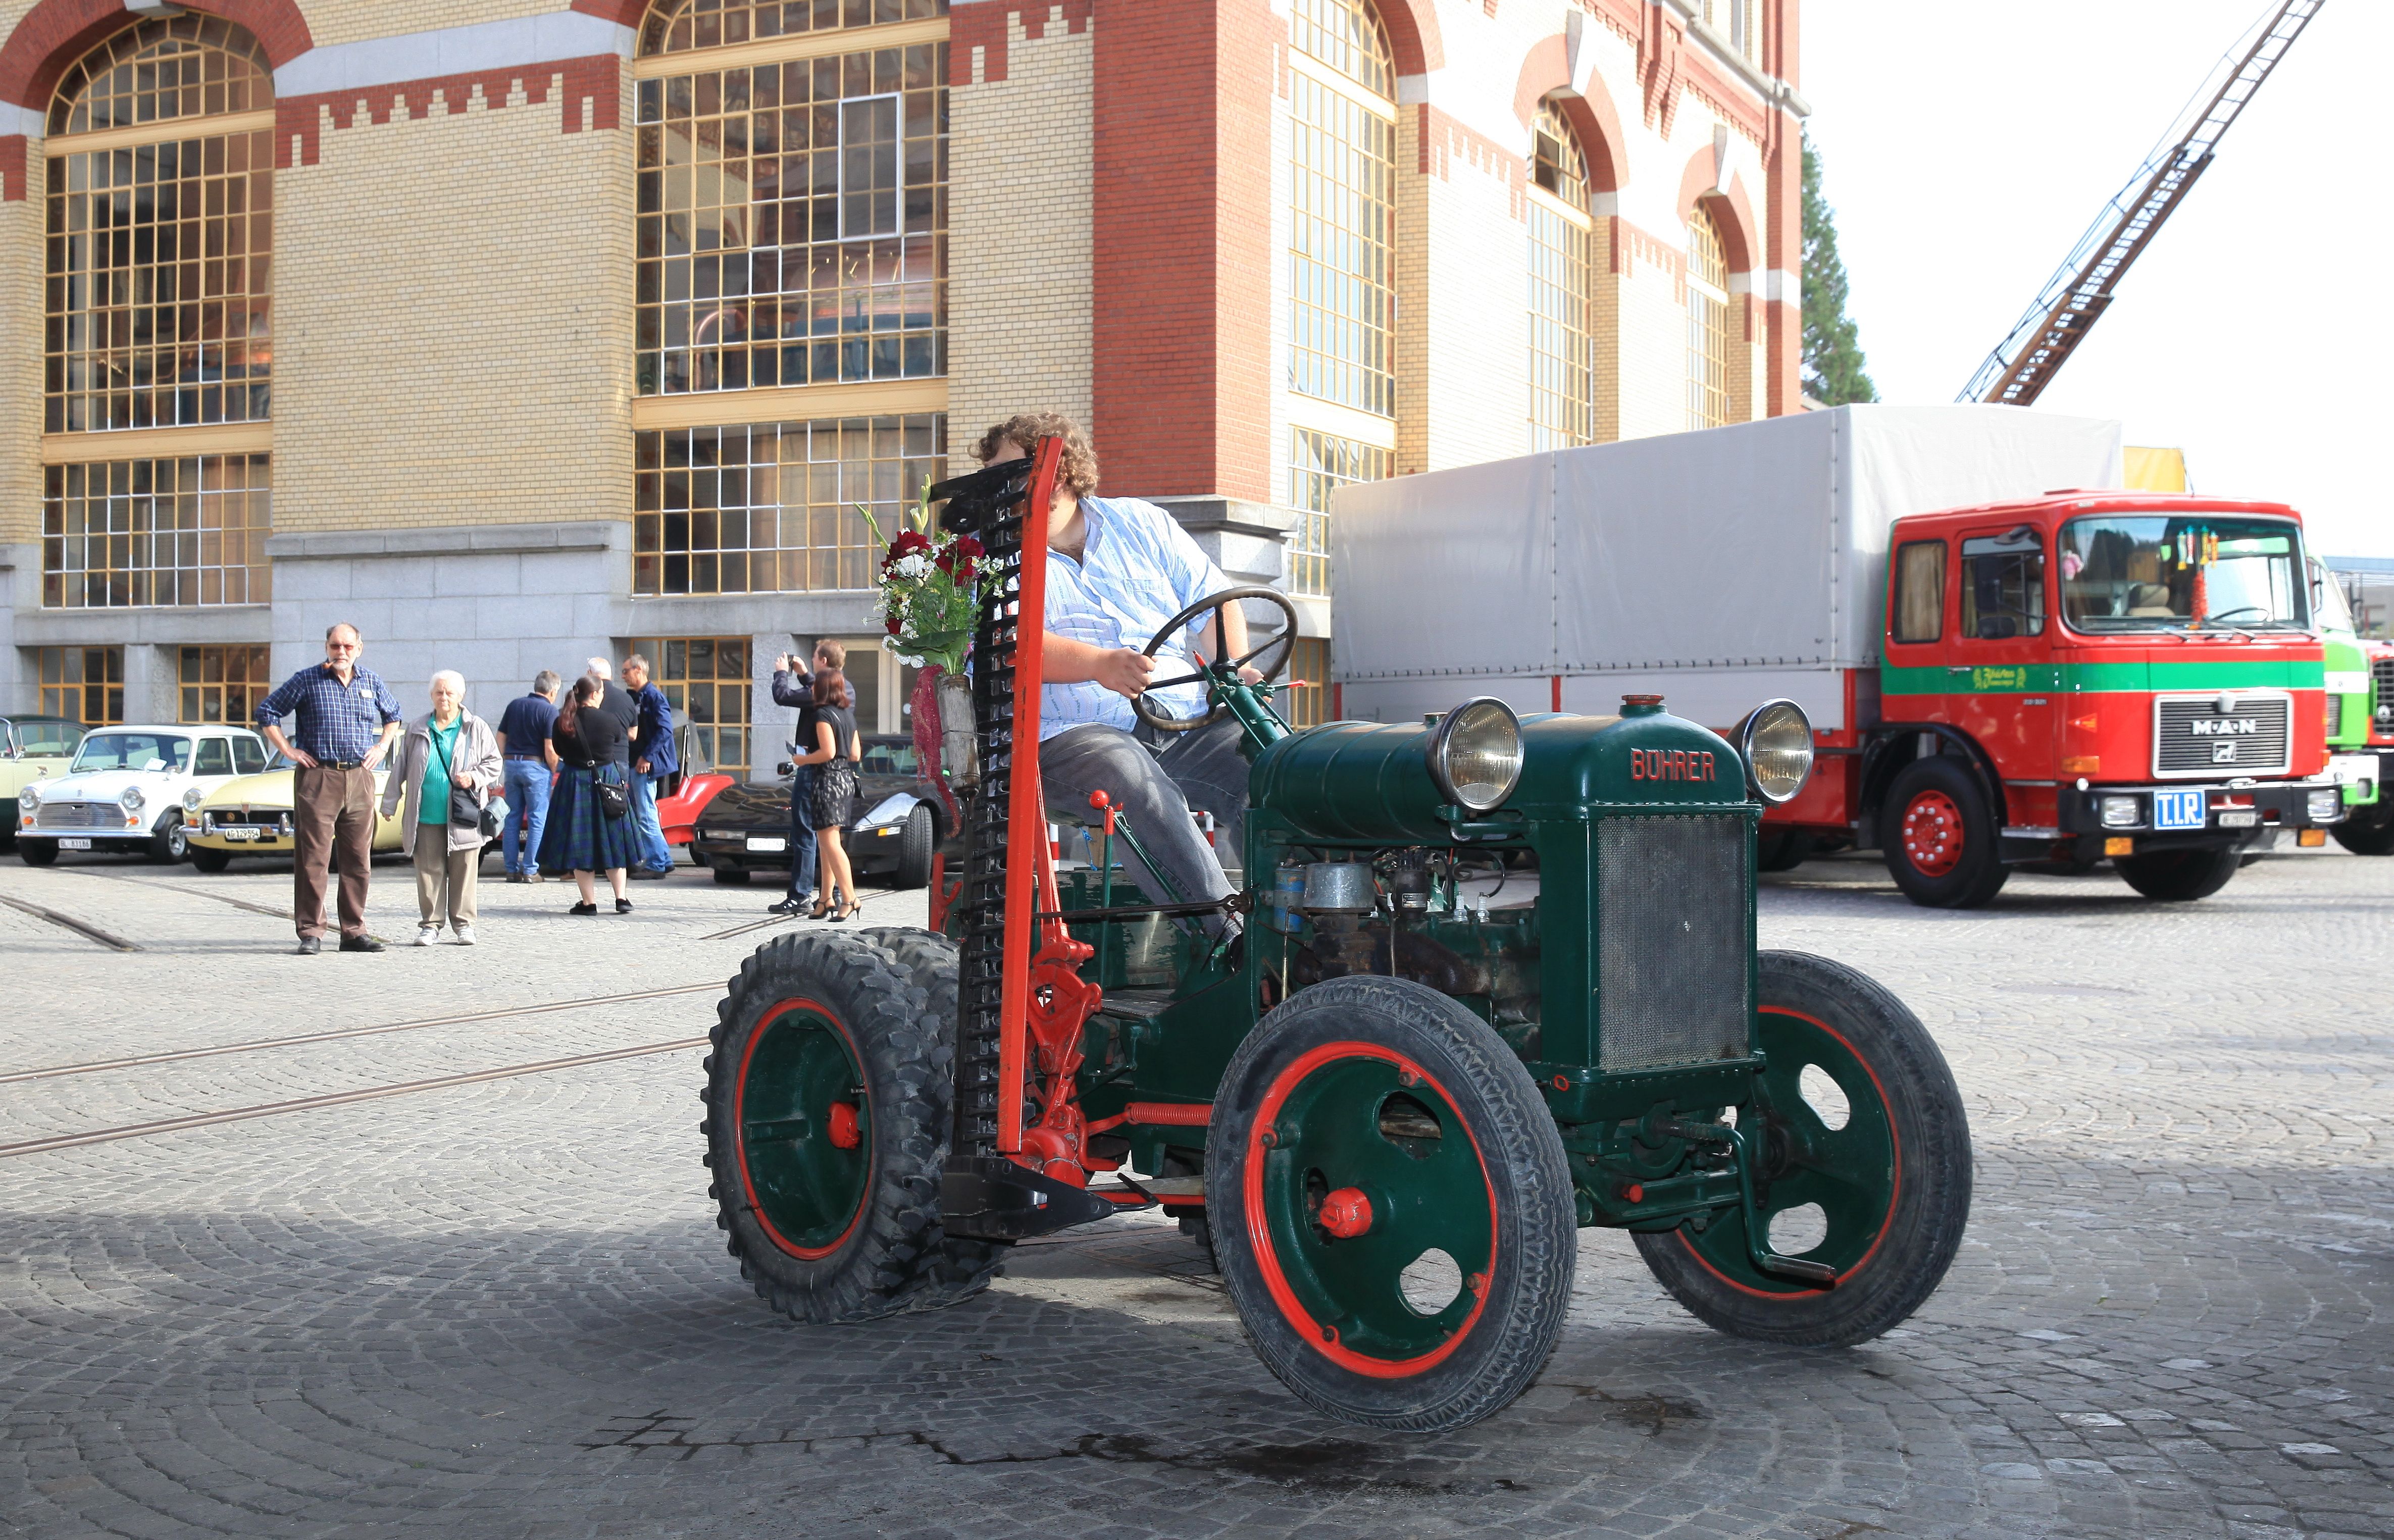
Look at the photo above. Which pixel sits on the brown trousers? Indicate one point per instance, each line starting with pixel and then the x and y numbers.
pixel 331 819
pixel 445 880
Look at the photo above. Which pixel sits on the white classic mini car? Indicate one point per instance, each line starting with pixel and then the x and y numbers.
pixel 130 789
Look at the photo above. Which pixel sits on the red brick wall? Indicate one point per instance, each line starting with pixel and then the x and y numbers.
pixel 1181 247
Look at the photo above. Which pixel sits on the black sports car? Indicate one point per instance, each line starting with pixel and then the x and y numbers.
pixel 892 826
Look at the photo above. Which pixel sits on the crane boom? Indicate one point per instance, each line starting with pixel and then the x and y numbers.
pixel 2079 290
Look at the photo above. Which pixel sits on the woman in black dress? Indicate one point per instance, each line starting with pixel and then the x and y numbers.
pixel 830 728
pixel 580 837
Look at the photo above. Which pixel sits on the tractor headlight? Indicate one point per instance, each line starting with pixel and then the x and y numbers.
pixel 1776 742
pixel 1475 754
pixel 131 799
pixel 192 800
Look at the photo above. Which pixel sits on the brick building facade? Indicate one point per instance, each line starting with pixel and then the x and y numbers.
pixel 517 331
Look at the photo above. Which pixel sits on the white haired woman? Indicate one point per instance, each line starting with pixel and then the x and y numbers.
pixel 448 767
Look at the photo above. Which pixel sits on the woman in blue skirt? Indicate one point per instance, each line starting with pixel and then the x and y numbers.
pixel 583 836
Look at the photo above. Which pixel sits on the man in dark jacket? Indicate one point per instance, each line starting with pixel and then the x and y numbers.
pixel 653 758
pixel 794 685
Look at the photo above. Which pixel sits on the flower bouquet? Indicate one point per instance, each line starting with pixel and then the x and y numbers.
pixel 932 585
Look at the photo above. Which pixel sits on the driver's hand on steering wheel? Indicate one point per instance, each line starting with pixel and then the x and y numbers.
pixel 1126 672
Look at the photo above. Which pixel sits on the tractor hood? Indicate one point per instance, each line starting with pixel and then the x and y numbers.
pixel 1368 782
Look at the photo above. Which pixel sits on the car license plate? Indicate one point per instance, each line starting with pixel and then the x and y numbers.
pixel 2177 810
pixel 238 833
pixel 74 844
pixel 767 842
pixel 2238 818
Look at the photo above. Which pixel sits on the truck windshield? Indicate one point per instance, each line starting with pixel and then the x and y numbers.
pixel 2161 572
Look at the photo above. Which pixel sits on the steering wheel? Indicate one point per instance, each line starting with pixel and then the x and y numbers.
pixel 1163 722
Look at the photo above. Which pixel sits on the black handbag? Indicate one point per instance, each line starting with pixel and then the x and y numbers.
pixel 614 798
pixel 464 808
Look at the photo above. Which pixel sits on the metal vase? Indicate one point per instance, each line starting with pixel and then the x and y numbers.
pixel 958 759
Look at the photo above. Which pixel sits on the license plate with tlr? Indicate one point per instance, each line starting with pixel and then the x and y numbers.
pixel 2179 809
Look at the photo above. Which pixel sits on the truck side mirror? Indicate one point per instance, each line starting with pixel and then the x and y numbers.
pixel 1997 628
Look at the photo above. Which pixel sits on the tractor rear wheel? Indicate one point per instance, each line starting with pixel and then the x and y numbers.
pixel 961 1266
pixel 827 1124
pixel 1939 836
pixel 2368 831
pixel 1868 1167
pixel 1389 1205
pixel 2179 877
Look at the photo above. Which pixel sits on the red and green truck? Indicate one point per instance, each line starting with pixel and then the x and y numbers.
pixel 2002 666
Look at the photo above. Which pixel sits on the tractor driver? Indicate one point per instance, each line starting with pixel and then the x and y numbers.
pixel 1117 569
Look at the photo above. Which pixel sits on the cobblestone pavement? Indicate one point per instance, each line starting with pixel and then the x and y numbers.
pixel 503 1309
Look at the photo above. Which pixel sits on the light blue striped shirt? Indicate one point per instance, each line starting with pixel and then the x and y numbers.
pixel 1138 569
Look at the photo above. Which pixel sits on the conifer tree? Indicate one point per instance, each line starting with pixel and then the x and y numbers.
pixel 1833 372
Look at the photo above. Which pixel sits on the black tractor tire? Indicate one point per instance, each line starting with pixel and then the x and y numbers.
pixel 171 844
pixel 1939 836
pixel 210 860
pixel 2180 877
pixel 733 876
pixel 2368 831
pixel 831 1223
pixel 1906 1246
pixel 1317 1080
pixel 962 1265
pixel 1782 850
pixel 37 852
pixel 915 846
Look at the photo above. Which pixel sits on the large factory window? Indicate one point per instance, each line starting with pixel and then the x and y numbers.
pixel 161 191
pixel 1708 327
pixel 192 530
pixel 1562 279
pixel 792 215
pixel 1342 277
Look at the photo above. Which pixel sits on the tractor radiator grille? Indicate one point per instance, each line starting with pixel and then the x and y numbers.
pixel 1672 947
pixel 2193 737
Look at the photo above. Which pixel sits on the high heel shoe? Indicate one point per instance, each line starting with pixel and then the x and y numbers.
pixel 821 911
pixel 847 906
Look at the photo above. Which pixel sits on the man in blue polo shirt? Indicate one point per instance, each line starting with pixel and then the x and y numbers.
pixel 345 719
pixel 524 731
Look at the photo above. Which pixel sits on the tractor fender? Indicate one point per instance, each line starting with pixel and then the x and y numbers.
pixel 1892 745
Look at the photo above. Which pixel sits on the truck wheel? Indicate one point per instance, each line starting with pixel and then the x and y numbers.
pixel 915 849
pixel 2179 877
pixel 208 861
pixel 962 1265
pixel 1389 1205
pixel 1782 850
pixel 2368 831
pixel 1890 1179
pixel 826 1128
pixel 1938 835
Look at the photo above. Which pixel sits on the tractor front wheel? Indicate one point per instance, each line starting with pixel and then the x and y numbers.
pixel 1863 1156
pixel 1389 1205
pixel 1939 836
pixel 827 1124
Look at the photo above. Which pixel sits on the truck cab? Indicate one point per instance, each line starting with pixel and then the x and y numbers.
pixel 2080 676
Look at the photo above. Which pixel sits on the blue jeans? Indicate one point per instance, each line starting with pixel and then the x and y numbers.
pixel 802 835
pixel 649 847
pixel 527 785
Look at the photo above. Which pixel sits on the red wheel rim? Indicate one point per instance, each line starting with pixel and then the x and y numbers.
pixel 1932 834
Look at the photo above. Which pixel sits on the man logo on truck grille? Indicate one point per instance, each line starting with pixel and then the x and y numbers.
pixel 2221 727
pixel 1670 764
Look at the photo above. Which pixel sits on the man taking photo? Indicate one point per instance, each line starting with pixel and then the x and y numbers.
pixel 343 719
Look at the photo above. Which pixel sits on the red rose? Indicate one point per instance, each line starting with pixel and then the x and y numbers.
pixel 893 625
pixel 968 547
pixel 908 542
pixel 963 570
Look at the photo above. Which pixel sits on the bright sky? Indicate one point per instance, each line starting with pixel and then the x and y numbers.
pixel 1966 146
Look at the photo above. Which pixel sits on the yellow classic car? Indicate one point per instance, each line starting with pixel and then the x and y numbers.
pixel 32 749
pixel 251 816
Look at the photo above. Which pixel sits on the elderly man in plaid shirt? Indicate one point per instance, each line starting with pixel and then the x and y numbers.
pixel 344 721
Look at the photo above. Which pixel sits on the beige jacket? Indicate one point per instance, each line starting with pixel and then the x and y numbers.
pixel 477 755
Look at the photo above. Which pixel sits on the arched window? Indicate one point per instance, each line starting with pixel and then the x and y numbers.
pixel 1562 280
pixel 1707 324
pixel 792 215
pixel 1342 277
pixel 160 184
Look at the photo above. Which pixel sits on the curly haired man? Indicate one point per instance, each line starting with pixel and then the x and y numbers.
pixel 1118 568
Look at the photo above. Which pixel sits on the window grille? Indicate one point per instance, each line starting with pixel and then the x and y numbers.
pixel 86 684
pixel 222 684
pixel 717 24
pixel 1317 464
pixel 1709 328
pixel 1341 269
pixel 119 534
pixel 1562 279
pixel 709 678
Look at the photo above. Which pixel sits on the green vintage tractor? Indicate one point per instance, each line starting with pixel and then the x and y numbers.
pixel 1497 981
